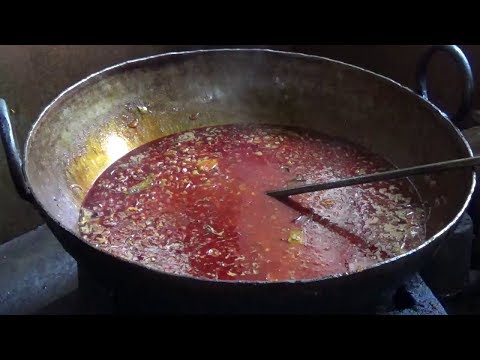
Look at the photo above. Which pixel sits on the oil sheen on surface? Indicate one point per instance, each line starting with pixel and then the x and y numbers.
pixel 194 204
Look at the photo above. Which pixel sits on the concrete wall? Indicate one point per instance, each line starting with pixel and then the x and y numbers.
pixel 31 76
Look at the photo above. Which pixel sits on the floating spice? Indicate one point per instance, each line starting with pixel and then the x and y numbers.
pixel 295 236
pixel 143 185
pixel 213 231
pixel 207 164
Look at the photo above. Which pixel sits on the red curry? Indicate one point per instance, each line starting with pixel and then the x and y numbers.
pixel 194 204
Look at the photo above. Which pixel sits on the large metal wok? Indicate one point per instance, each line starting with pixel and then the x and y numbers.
pixel 85 129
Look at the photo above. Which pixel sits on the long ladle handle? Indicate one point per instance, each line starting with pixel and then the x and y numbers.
pixel 381 176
